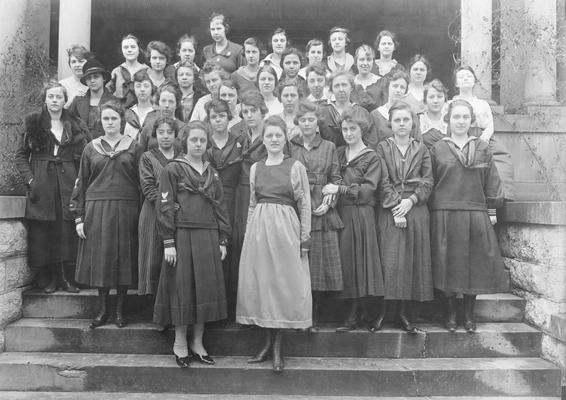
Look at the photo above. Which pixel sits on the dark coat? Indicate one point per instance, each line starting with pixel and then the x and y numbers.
pixel 80 107
pixel 41 170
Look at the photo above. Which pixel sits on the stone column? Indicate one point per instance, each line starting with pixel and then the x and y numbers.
pixel 74 28
pixel 476 42
pixel 540 76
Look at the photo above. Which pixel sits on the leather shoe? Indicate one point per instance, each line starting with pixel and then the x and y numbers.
pixel 183 362
pixel 98 321
pixel 205 359
pixel 406 325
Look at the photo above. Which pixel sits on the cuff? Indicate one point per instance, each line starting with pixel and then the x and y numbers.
pixel 78 220
pixel 414 199
pixel 168 243
pixel 492 212
pixel 306 244
pixel 342 189
pixel 223 242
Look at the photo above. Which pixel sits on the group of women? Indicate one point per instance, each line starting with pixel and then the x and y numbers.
pixel 264 186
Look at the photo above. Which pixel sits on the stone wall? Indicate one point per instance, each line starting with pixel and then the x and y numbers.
pixel 532 237
pixel 15 276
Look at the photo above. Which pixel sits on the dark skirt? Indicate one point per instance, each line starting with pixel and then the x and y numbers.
pixel 232 262
pixel 465 253
pixel 359 253
pixel 192 291
pixel 108 255
pixel 324 261
pixel 150 254
pixel 231 270
pixel 405 255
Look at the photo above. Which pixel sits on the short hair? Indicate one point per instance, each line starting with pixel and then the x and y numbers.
pixel 255 99
pixel 163 119
pixel 160 47
pixel 187 38
pixel 437 85
pixel 415 59
pixel 135 39
pixel 335 29
pixel 275 120
pixel 186 64
pixel 315 42
pixel 269 69
pixel 142 76
pixel 381 35
pixel 403 106
pixel 365 48
pixel 351 115
pixel 218 106
pixel 465 68
pixel 222 18
pixel 193 125
pixel 306 106
pixel 209 67
pixel 317 68
pixel 52 84
pixel 289 83
pixel 117 107
pixel 396 75
pixel 170 88
pixel 79 52
pixel 289 51
pixel 256 42
pixel 455 103
pixel 337 74
pixel 278 31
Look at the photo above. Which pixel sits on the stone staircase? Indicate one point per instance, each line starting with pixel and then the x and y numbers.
pixel 52 354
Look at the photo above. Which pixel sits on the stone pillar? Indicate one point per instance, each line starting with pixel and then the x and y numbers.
pixel 540 76
pixel 476 42
pixel 74 28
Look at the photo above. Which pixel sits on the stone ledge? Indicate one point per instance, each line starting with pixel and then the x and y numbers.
pixel 534 212
pixel 12 207
pixel 543 120
pixel 558 327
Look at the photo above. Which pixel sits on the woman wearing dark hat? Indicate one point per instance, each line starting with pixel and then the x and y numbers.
pixel 86 107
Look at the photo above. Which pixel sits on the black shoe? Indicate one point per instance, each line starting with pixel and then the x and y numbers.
pixel 120 321
pixel 347 326
pixel 183 362
pixel 470 326
pixel 205 359
pixel 66 283
pixel 406 325
pixel 99 321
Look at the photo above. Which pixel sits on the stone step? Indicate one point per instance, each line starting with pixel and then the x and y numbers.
pixel 302 376
pixel 74 336
pixel 501 307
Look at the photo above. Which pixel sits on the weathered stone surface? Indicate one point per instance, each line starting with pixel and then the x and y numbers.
pixel 555 351
pixel 542 279
pixel 18 273
pixel 538 310
pixel 540 244
pixel 13 237
pixel 10 306
pixel 558 327
pixel 12 207
pixel 534 212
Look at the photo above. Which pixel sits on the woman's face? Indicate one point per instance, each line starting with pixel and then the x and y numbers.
pixel 187 51
pixel 218 121
pixel 465 79
pixel 165 136
pixel 55 99
pixel 401 123
pixel 212 81
pixel 351 132
pixel 252 115
pixel 308 123
pixel 397 89
pixel 76 65
pixel 279 43
pixel 434 100
pixel 291 65
pixel 364 62
pixel 274 139
pixel 338 42
pixel 229 95
pixel 196 142
pixel 110 120
pixel 266 82
pixel 157 60
pixel 386 46
pixel 289 98
pixel 185 77
pixel 167 104
pixel 95 82
pixel 315 54
pixel 130 49
pixel 460 120
pixel 217 30
pixel 252 55
pixel 143 90
pixel 418 72
pixel 341 88
pixel 316 84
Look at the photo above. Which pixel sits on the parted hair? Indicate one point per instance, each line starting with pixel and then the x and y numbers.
pixel 163 119
pixel 350 115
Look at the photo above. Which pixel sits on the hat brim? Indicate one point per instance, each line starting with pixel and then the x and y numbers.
pixel 105 74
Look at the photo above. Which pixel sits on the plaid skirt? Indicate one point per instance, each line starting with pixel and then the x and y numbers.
pixel 324 261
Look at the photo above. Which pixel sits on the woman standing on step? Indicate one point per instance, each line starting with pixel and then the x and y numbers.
pixel 274 290
pixel 464 249
pixel 47 160
pixel 105 204
pixel 193 224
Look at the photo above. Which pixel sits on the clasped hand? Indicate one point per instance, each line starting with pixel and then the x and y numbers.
pixel 401 209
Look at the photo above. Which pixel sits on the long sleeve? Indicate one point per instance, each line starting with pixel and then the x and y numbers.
pixel 224 228
pixel 148 181
pixel 253 199
pixel 166 207
pixel 424 188
pixel 388 196
pixel 364 192
pixel 493 188
pixel 78 196
pixel 22 159
pixel 334 172
pixel 301 190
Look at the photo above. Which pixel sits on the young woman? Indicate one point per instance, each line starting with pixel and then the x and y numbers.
pixel 279 43
pixel 314 54
pixel 465 78
pixel 194 228
pixel 136 114
pixel 369 89
pixel 186 50
pixel 432 124
pixel 359 251
pixel 339 60
pixel 245 77
pixel 403 222
pixel 77 57
pixel 291 61
pixel 159 55
pixel 274 290
pixel 106 199
pixel 121 82
pixel 419 71
pixel 152 162
pixel 267 82
pixel 185 75
pixel 228 55
pixel 47 160
pixel 465 253
pixel 320 159
pixel 211 76
pixel 316 83
pixel 289 95
pixel 229 94
pixel 386 44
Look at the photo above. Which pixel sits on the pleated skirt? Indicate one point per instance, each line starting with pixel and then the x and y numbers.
pixel 359 253
pixel 108 255
pixel 150 254
pixel 324 261
pixel 192 291
pixel 405 255
pixel 465 253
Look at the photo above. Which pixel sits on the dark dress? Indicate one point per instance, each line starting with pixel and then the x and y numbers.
pixel 106 198
pixel 191 217
pixel 359 251
pixel 383 128
pixel 371 96
pixel 322 166
pixel 465 253
pixel 50 179
pixel 230 59
pixel 150 253
pixel 148 142
pixel 405 252
pixel 90 115
pixel 331 129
